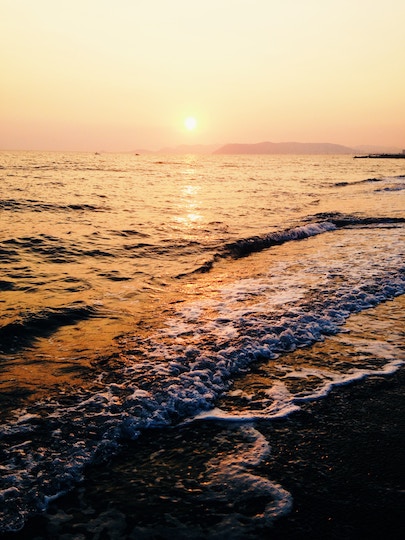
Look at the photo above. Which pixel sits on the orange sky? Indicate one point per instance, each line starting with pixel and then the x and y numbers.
pixel 124 74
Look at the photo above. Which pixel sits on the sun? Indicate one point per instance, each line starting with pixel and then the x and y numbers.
pixel 191 123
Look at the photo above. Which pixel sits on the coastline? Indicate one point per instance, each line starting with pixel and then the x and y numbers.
pixel 342 459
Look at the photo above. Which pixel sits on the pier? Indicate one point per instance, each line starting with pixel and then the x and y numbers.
pixel 382 156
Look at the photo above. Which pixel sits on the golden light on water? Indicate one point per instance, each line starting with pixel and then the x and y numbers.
pixel 189 206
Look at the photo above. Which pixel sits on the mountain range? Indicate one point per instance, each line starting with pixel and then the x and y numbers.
pixel 285 148
pixel 272 148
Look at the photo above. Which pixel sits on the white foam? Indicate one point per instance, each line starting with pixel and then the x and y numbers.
pixel 334 380
pixel 230 480
pixel 183 367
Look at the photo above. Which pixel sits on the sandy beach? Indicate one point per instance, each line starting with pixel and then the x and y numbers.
pixel 343 460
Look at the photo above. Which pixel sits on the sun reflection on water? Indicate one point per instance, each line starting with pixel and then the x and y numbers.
pixel 189 206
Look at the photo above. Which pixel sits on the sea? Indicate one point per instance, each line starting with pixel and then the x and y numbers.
pixel 157 309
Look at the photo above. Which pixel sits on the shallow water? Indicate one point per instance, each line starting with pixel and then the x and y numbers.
pixel 140 293
pixel 212 478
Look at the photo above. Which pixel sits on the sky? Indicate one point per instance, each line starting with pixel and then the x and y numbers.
pixel 122 75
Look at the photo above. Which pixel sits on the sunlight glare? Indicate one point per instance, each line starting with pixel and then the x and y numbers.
pixel 190 122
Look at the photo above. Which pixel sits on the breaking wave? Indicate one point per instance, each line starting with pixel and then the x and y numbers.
pixel 175 374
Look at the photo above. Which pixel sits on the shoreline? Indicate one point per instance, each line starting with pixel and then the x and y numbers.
pixel 341 458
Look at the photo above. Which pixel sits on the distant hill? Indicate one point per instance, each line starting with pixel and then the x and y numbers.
pixel 271 148
pixel 285 148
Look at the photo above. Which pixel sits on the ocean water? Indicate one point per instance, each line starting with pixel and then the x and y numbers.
pixel 156 309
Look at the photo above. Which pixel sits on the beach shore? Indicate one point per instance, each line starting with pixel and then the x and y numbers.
pixel 342 458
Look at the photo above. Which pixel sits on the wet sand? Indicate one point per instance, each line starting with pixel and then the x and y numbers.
pixel 342 458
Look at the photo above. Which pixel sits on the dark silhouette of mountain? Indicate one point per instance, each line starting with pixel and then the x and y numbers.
pixel 285 148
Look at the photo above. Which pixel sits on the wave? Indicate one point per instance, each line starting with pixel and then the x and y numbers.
pixel 366 181
pixel 54 249
pixel 369 181
pixel 394 186
pixel 246 246
pixel 319 223
pixel 31 326
pixel 231 481
pixel 8 255
pixel 348 220
pixel 6 285
pixel 175 373
pixel 40 206
pixel 129 233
